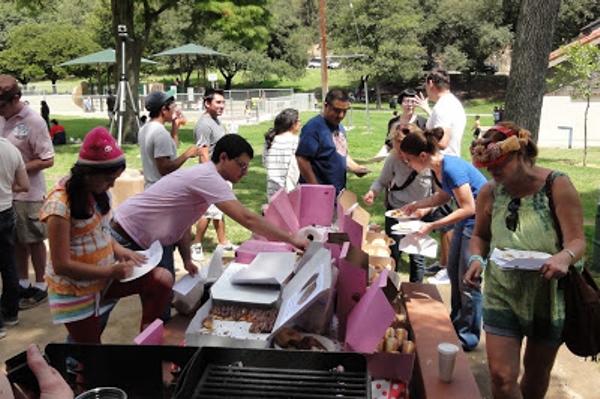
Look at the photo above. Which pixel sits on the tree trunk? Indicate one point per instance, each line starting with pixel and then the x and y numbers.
pixel 529 65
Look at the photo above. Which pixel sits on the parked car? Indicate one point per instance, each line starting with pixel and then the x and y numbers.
pixel 316 63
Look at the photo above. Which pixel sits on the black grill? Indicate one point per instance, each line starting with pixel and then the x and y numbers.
pixel 264 373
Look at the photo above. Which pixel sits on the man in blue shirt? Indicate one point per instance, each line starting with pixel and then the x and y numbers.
pixel 322 152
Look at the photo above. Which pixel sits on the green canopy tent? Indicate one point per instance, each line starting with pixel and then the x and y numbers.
pixel 187 50
pixel 108 56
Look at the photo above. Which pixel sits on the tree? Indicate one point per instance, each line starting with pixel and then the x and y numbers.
pixel 33 50
pixel 529 64
pixel 581 71
pixel 388 40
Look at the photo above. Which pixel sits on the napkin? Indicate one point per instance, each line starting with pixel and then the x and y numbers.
pixel 417 244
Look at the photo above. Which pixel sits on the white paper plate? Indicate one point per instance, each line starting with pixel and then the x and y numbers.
pixel 154 255
pixel 326 342
pixel 390 214
pixel 407 227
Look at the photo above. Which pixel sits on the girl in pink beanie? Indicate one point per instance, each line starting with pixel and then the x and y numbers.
pixel 86 264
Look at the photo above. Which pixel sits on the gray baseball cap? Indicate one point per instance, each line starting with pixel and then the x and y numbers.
pixel 156 99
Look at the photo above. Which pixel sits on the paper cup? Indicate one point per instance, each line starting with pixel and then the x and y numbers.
pixel 103 393
pixel 446 357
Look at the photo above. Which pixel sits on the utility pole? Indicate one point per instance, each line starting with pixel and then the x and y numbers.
pixel 324 62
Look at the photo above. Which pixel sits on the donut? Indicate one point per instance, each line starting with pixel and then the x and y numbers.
pixel 285 335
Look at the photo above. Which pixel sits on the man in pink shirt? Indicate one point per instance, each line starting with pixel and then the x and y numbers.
pixel 166 211
pixel 27 131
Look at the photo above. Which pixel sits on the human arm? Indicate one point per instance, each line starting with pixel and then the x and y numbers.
pixel 569 212
pixel 59 238
pixel 35 165
pixel 306 170
pixel 352 166
pixel 203 154
pixel 383 180
pixel 423 102
pixel 21 181
pixel 258 224
pixel 165 165
pixel 183 246
pixel 175 129
pixel 482 234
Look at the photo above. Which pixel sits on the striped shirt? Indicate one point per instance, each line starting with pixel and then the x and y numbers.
pixel 281 165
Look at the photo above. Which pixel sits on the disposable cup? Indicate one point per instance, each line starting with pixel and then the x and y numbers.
pixel 446 358
pixel 103 393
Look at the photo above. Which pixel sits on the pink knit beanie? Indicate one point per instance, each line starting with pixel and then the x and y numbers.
pixel 100 149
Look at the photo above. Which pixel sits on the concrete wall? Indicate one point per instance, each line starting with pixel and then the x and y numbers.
pixel 568 113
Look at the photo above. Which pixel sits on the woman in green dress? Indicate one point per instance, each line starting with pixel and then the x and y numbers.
pixel 513 212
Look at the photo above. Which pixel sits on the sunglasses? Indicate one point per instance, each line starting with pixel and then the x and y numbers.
pixel 512 220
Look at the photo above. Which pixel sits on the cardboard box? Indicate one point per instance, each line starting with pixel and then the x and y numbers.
pixel 366 326
pixel 306 301
pixel 352 218
pixel 250 248
pixel 130 183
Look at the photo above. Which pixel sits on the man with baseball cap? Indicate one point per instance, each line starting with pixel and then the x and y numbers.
pixel 158 147
pixel 27 131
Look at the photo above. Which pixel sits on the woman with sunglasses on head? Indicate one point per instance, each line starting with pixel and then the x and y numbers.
pixel 513 211
pixel 86 264
pixel 279 152
pixel 461 182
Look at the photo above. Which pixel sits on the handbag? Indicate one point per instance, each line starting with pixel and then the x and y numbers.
pixel 581 331
pixel 582 313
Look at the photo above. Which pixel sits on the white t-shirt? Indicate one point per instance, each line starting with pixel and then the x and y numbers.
pixel 155 142
pixel 449 113
pixel 172 205
pixel 10 161
pixel 280 163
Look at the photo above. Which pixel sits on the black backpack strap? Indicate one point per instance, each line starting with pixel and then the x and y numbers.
pixel 411 178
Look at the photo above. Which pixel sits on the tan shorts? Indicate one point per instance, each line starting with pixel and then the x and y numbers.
pixel 29 227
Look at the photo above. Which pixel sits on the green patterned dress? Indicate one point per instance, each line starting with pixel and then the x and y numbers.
pixel 522 301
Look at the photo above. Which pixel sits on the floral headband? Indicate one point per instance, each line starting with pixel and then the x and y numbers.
pixel 486 152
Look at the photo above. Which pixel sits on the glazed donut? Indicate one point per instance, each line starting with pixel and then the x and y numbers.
pixel 285 335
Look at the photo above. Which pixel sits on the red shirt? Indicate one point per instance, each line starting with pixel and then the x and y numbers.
pixel 56 129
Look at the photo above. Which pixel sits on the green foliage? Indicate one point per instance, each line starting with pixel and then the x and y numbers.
pixel 580 70
pixel 33 50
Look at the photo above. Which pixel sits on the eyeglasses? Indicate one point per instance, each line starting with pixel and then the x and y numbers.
pixel 336 109
pixel 512 220
pixel 243 166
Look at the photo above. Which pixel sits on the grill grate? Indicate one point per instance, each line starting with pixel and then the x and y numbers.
pixel 217 372
pixel 254 382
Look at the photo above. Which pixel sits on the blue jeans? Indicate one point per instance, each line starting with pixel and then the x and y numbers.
pixel 167 262
pixel 466 301
pixel 9 303
pixel 417 262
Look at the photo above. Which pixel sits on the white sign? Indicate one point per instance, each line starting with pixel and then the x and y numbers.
pixel 212 77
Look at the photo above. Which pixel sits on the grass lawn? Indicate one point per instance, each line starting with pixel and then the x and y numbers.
pixel 363 145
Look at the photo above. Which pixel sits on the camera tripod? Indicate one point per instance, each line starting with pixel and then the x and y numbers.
pixel 123 90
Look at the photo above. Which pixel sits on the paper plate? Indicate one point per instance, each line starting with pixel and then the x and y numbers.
pixel 407 227
pixel 391 214
pixel 154 255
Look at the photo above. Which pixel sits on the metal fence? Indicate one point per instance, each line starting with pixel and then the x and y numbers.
pixel 247 106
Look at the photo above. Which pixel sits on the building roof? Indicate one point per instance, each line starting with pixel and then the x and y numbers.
pixel 589 34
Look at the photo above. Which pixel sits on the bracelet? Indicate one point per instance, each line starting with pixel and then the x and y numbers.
pixel 567 250
pixel 483 262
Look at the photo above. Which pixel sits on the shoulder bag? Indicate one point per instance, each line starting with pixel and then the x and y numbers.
pixel 581 331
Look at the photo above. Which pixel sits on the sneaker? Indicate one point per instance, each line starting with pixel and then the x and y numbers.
pixel 228 247
pixel 2 332
pixel 11 321
pixel 197 253
pixel 433 269
pixel 32 297
pixel 440 278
